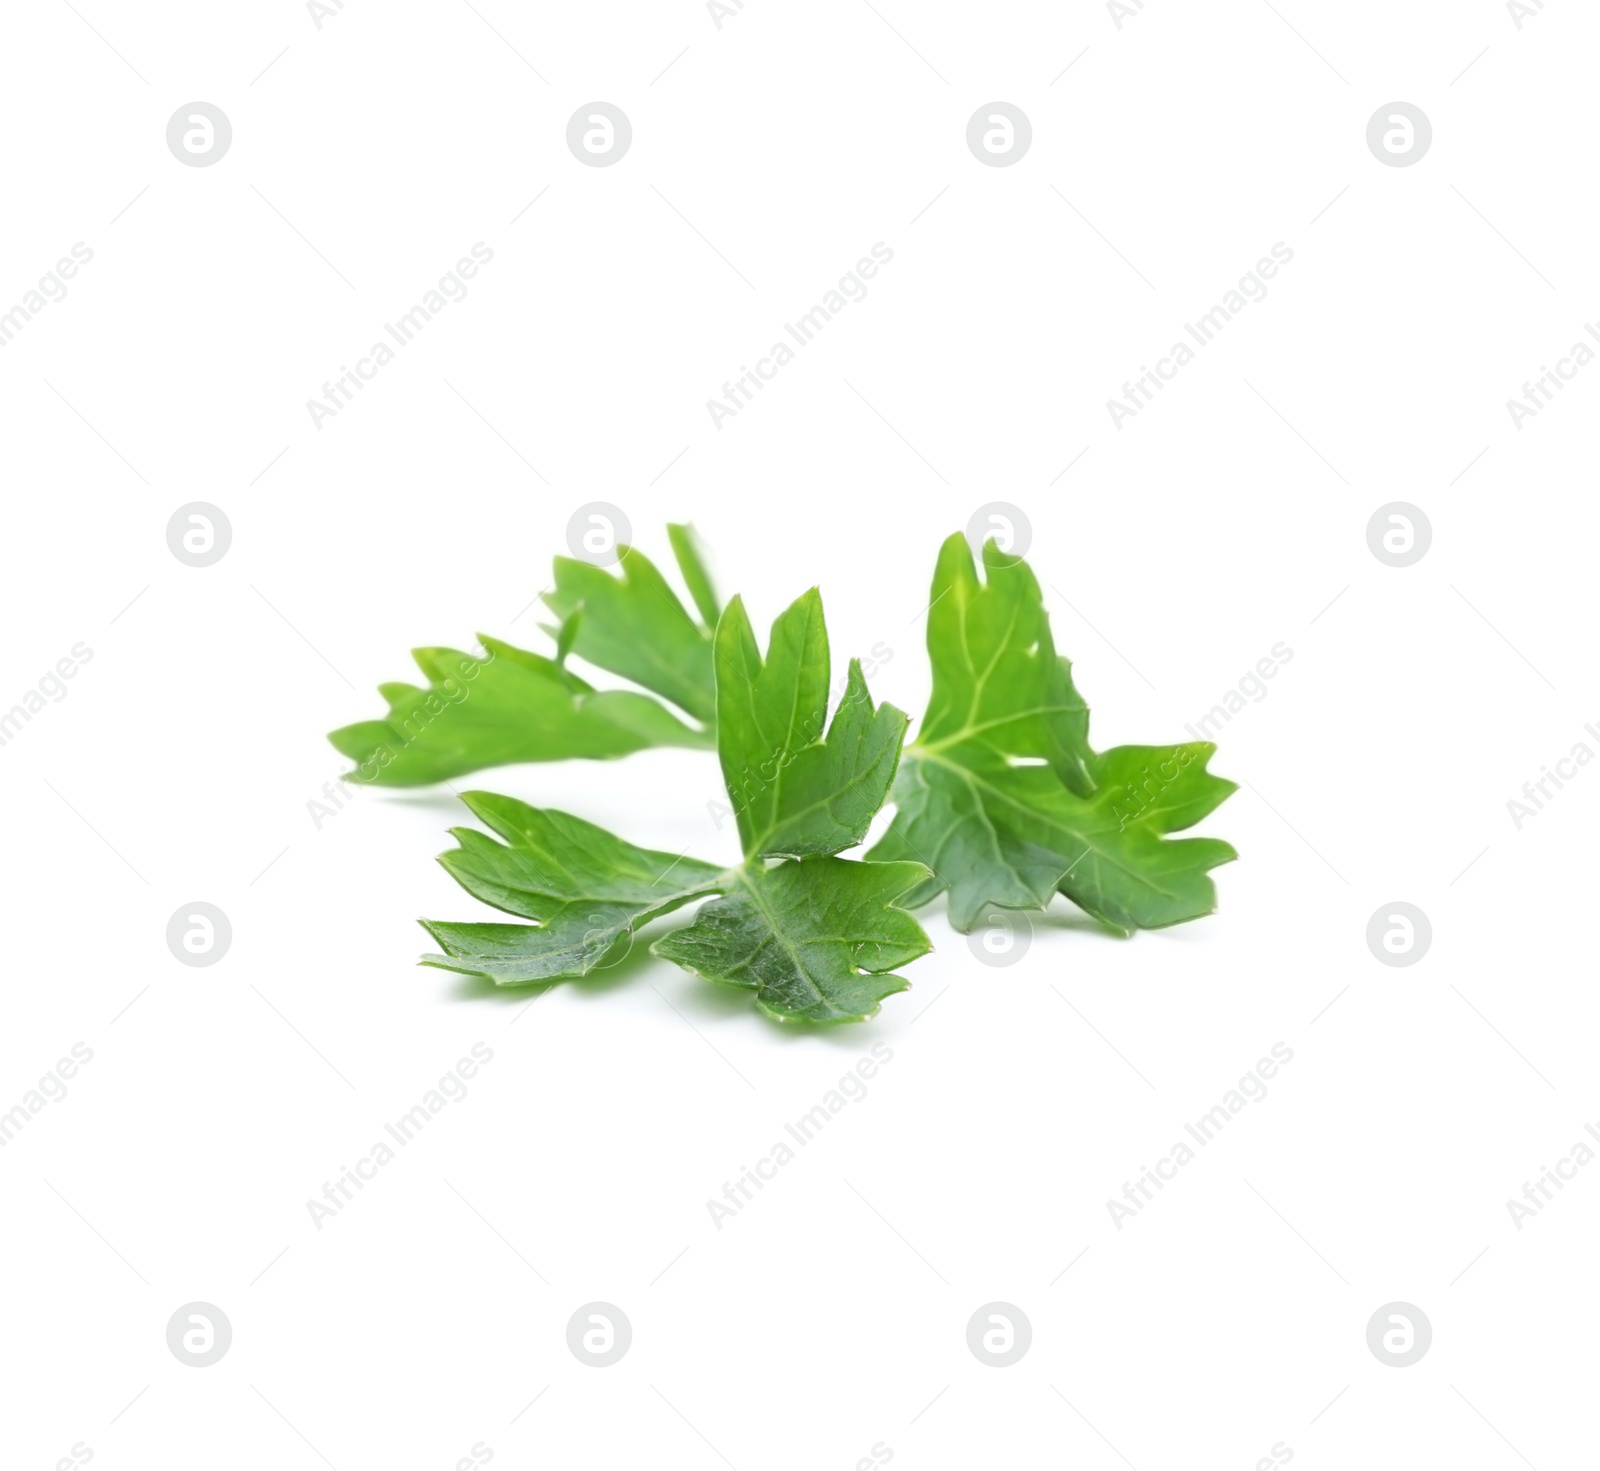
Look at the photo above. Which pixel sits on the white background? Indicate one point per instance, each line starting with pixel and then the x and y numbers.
pixel 830 1315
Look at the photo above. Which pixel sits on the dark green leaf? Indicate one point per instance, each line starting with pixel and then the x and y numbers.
pixel 813 938
pixel 997 679
pixel 794 791
pixel 1001 794
pixel 586 889
pixel 1010 835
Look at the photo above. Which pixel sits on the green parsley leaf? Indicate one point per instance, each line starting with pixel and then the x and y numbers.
pixel 690 554
pixel 1001 794
pixel 586 888
pixel 998 683
pixel 504 706
pixel 634 625
pixel 509 705
pixel 795 793
pixel 812 938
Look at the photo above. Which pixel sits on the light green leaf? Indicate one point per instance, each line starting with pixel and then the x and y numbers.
pixel 690 554
pixel 504 706
pixel 633 624
pixel 565 635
